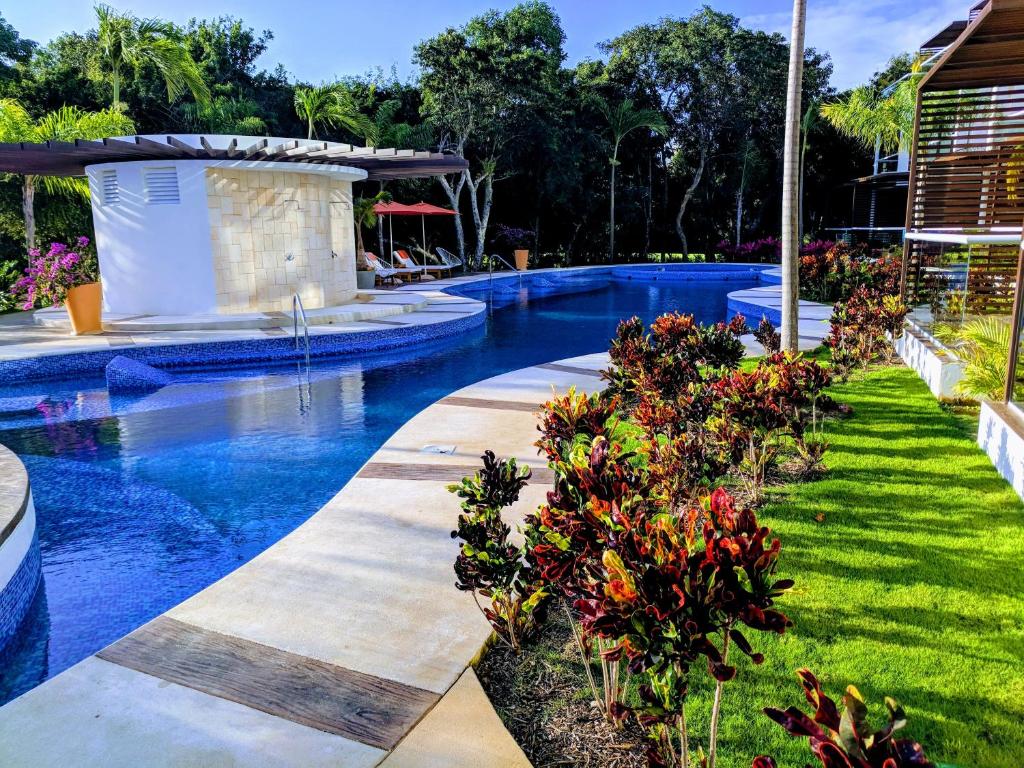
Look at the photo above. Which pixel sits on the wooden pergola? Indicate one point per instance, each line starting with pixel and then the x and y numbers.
pixel 967 161
pixel 58 158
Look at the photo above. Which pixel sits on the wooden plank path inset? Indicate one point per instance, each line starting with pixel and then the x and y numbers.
pixel 494 405
pixel 447 473
pixel 355 705
pixel 569 369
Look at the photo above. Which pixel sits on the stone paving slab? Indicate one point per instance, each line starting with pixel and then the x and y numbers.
pixel 105 715
pixel 463 731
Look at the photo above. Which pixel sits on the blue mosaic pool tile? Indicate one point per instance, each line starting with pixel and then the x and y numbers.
pixel 690 272
pixel 213 354
pixel 754 312
pixel 125 375
pixel 16 597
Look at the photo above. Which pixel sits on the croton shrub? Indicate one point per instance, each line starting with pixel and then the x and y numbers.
pixel 843 738
pixel 649 536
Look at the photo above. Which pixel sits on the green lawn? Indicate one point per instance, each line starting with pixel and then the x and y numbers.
pixel 912 585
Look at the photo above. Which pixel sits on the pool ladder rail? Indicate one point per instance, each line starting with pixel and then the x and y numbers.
pixel 298 311
pixel 490 268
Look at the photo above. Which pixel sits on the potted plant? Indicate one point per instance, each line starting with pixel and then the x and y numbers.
pixel 68 275
pixel 517 239
pixel 365 215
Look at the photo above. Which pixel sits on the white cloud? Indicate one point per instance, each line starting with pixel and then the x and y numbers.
pixel 863 36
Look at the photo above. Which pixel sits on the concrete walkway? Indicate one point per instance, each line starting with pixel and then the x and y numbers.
pixel 765 300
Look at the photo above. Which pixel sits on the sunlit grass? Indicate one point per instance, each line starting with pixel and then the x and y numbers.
pixel 909 562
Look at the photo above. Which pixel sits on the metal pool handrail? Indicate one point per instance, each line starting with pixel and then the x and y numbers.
pixel 496 256
pixel 299 311
pixel 490 268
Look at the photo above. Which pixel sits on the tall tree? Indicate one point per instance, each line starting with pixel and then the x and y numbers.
pixel 64 124
pixel 878 117
pixel 623 118
pixel 791 184
pixel 14 49
pixel 330 105
pixel 485 87
pixel 126 43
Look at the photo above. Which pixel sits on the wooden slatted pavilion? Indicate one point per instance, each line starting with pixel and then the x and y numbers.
pixel 966 203
pixel 58 158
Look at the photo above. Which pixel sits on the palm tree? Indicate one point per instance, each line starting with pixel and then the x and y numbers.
pixel 365 215
pixel 806 126
pixel 331 105
pixel 622 119
pixel 391 133
pixel 791 184
pixel 884 120
pixel 127 42
pixel 226 115
pixel 64 124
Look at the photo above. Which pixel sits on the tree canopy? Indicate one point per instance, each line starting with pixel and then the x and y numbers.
pixel 497 90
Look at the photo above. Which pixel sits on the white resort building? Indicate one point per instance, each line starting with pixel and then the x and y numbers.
pixel 195 225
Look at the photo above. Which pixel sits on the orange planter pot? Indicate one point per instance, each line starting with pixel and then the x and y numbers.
pixel 522 259
pixel 84 305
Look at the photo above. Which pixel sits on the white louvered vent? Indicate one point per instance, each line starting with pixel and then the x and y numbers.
pixel 161 186
pixel 111 190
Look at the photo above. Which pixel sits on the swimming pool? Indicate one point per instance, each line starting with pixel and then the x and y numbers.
pixel 142 502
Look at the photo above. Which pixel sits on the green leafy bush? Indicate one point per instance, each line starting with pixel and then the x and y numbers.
pixel 489 564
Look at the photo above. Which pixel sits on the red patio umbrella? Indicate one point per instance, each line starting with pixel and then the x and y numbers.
pixel 420 209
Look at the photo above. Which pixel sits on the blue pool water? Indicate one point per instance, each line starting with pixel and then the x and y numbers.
pixel 142 502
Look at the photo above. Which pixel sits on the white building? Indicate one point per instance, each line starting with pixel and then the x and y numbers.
pixel 190 224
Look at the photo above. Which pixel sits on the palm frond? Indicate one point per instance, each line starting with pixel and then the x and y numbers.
pixel 15 122
pixel 983 345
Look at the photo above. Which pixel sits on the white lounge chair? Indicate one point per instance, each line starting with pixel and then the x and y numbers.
pixel 448 258
pixel 404 259
pixel 384 274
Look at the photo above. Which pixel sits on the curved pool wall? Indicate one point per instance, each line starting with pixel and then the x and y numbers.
pixel 20 563
pixel 143 501
pixel 214 354
pixel 498 290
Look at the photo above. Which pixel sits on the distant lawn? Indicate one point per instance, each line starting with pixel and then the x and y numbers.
pixel 912 586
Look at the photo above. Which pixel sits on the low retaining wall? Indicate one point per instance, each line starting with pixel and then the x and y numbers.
pixel 940 369
pixel 281 349
pixel 1001 436
pixel 19 547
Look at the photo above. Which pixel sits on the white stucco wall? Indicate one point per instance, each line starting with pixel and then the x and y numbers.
pixel 939 368
pixel 158 259
pixel 1001 436
pixel 154 259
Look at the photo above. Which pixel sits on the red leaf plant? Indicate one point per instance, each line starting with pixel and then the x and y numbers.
pixel 670 584
pixel 671 357
pixel 768 337
pixel 845 739
pixel 754 409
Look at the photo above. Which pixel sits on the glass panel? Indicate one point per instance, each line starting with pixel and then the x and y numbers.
pixel 937 287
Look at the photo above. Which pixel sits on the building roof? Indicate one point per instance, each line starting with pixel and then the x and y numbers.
pixel 58 158
pixel 986 53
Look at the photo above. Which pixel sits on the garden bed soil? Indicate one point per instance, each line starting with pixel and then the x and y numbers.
pixel 543 698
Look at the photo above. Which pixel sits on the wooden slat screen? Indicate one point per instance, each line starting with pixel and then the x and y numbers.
pixel 967 170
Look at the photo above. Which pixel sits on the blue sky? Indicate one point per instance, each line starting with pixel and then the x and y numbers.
pixel 318 40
